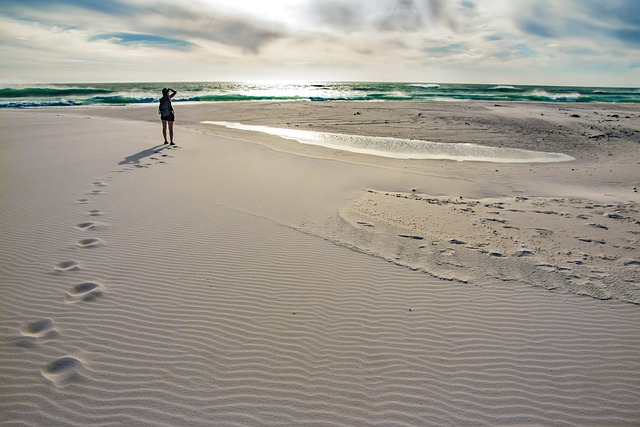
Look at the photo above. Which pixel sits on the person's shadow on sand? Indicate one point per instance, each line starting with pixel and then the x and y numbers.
pixel 134 159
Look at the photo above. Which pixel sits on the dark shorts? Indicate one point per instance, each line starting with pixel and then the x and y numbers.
pixel 170 117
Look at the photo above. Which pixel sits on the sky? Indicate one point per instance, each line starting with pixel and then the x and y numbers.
pixel 553 42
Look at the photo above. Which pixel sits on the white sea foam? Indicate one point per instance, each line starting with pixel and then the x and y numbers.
pixel 503 87
pixel 404 148
pixel 568 96
pixel 427 86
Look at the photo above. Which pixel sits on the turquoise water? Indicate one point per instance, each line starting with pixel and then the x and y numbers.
pixel 145 93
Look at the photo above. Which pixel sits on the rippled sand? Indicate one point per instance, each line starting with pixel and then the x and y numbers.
pixel 243 279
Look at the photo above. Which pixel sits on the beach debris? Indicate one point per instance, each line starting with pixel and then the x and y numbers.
pixel 523 252
pixel 603 227
pixel 409 236
pixel 589 240
pixel 613 216
pixel 364 224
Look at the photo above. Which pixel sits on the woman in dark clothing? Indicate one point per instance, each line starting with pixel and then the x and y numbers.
pixel 166 113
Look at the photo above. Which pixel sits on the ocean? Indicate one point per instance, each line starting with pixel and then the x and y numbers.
pixel 57 95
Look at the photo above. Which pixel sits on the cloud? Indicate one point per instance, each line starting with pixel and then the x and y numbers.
pixel 250 36
pixel 178 24
pixel 381 15
pixel 613 20
pixel 614 12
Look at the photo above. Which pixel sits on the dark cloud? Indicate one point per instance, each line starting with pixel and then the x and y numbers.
pixel 615 12
pixel 589 19
pixel 629 36
pixel 538 28
pixel 381 15
pixel 183 22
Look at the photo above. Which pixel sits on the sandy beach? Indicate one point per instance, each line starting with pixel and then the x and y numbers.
pixel 246 279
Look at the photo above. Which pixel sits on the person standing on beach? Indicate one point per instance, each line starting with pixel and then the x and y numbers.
pixel 166 113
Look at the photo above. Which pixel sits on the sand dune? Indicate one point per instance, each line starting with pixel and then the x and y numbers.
pixel 143 285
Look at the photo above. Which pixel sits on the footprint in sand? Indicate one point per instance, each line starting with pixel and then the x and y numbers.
pixel 82 201
pixel 89 243
pixel 63 370
pixel 40 330
pixel 100 184
pixel 87 225
pixel 84 292
pixel 64 266
pixel 95 212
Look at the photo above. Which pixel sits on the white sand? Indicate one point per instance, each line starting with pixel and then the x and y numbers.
pixel 203 285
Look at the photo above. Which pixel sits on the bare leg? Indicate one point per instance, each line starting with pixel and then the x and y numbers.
pixel 164 130
pixel 170 132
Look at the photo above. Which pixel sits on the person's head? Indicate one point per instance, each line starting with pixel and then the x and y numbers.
pixel 165 91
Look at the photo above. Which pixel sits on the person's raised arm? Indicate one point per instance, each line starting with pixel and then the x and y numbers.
pixel 173 93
